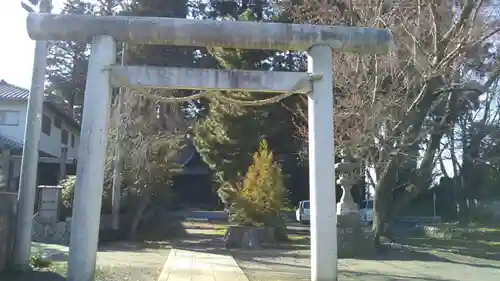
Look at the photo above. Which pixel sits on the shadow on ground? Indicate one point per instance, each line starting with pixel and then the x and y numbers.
pixel 32 276
pixel 291 261
pixel 201 239
pixel 430 255
pixel 477 248
pixel 150 236
pixel 298 257
pixel 204 239
pixel 133 246
pixel 353 275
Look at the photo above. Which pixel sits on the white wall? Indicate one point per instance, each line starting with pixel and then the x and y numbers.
pixel 14 132
pixel 52 144
pixel 49 144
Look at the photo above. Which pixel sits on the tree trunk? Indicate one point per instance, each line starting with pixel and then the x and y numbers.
pixel 382 220
pixel 463 207
pixel 389 199
pixel 469 180
pixel 383 213
pixel 143 203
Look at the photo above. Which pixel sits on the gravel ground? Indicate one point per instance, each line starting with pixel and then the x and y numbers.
pixel 273 264
pixel 294 265
pixel 115 262
pixel 415 264
pixel 131 262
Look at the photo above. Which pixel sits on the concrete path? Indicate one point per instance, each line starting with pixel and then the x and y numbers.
pixel 185 265
pixel 200 256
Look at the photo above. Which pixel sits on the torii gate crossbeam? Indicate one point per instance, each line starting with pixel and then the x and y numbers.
pixel 203 33
pixel 317 40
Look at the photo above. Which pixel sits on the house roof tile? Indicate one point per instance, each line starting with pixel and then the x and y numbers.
pixel 12 92
pixel 10 142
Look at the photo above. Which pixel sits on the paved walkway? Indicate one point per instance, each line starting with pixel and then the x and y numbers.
pixel 185 265
pixel 201 256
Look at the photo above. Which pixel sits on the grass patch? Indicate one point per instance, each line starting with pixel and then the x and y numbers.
pixel 478 248
pixel 56 271
pixel 491 243
pixel 59 268
pixel 472 232
pixel 297 239
pixel 38 261
pixel 57 252
pixel 287 209
pixel 220 229
pixel 473 227
pixel 475 240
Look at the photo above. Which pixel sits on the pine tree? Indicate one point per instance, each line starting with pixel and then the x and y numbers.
pixel 261 194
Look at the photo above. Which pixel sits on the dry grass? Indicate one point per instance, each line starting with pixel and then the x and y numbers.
pixel 475 240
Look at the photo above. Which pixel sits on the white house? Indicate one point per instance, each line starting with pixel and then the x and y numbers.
pixel 59 130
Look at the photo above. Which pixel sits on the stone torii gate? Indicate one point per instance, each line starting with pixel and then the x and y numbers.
pixel 317 40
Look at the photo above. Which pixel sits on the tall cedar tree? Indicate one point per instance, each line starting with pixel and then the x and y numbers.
pixel 225 134
pixel 67 64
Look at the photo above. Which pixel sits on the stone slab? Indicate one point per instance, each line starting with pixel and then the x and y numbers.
pixel 200 266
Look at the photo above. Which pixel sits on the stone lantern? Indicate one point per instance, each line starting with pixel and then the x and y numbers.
pixel 352 240
pixel 347 181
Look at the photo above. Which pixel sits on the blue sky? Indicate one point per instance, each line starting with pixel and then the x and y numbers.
pixel 16 50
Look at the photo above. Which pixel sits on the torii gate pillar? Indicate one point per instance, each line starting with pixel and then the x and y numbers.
pixel 322 167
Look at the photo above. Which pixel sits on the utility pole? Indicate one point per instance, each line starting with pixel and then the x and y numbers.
pixel 118 163
pixel 29 163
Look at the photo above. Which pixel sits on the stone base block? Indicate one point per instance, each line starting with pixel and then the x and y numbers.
pixel 250 237
pixel 353 241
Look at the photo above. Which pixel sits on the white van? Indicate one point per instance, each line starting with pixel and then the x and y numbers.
pixel 302 212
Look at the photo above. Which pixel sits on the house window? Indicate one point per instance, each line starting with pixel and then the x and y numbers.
pixel 64 137
pixel 72 140
pixel 58 122
pixel 9 117
pixel 46 125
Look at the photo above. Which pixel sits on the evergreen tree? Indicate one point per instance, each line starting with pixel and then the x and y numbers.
pixel 160 55
pixel 67 64
pixel 261 195
pixel 226 133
